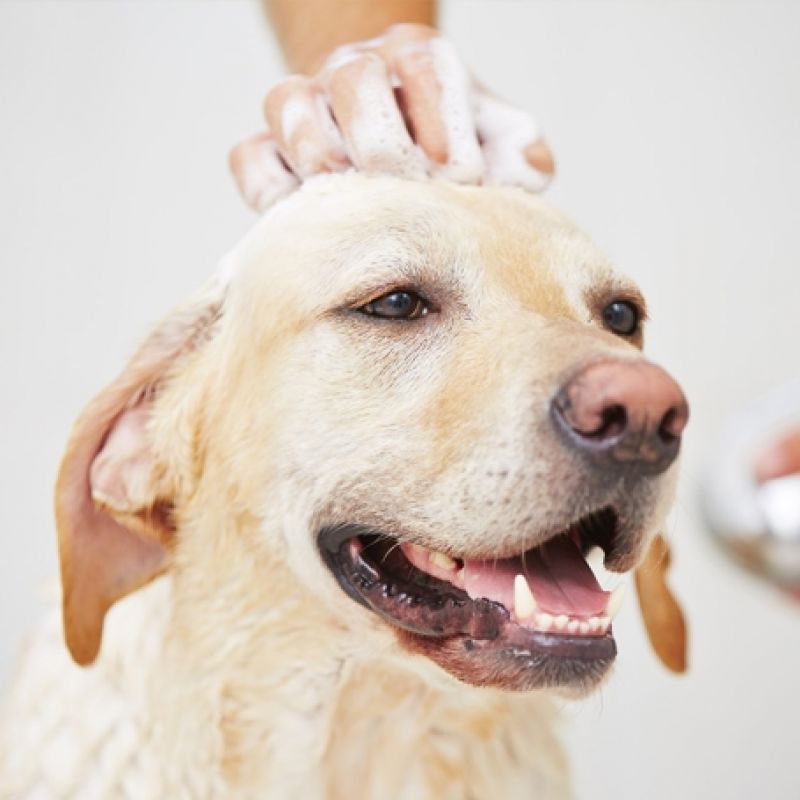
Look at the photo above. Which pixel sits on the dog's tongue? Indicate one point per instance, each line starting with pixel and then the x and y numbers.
pixel 557 574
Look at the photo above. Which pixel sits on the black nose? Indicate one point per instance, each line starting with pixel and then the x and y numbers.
pixel 623 414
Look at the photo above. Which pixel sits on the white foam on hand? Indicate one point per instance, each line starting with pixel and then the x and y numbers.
pixel 402 104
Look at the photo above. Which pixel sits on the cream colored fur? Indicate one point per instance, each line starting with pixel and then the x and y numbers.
pixel 244 671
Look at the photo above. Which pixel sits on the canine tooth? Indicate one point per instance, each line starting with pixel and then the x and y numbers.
pixel 544 622
pixel 573 626
pixel 615 601
pixel 524 602
pixel 584 628
pixel 560 622
pixel 594 558
pixel 442 560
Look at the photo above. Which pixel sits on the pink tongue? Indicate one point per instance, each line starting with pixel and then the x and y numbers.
pixel 559 577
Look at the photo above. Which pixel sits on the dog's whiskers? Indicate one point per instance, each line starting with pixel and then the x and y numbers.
pixel 386 555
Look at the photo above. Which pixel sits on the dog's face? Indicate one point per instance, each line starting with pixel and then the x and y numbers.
pixel 432 398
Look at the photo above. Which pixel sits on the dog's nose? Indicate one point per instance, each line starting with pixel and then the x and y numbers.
pixel 623 414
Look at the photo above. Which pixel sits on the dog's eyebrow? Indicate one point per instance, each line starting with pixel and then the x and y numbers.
pixel 617 289
pixel 406 273
pixel 634 295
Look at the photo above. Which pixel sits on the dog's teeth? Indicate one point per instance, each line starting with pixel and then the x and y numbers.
pixel 604 622
pixel 573 626
pixel 584 627
pixel 594 558
pixel 524 603
pixel 596 625
pixel 442 560
pixel 544 622
pixel 560 622
pixel 615 601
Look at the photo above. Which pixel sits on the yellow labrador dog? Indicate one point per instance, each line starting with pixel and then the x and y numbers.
pixel 347 494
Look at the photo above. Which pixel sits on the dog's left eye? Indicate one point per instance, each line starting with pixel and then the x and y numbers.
pixel 397 305
pixel 621 317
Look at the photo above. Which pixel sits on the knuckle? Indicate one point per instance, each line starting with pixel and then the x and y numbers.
pixel 280 92
pixel 236 157
pixel 415 60
pixel 244 153
pixel 354 67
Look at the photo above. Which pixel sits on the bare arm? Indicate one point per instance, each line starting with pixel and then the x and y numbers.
pixel 308 30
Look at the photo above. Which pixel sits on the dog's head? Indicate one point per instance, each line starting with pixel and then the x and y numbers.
pixel 432 403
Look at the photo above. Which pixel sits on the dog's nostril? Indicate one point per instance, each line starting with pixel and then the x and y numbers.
pixel 591 420
pixel 613 421
pixel 673 423
pixel 667 430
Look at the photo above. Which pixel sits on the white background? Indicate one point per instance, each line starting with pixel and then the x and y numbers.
pixel 677 131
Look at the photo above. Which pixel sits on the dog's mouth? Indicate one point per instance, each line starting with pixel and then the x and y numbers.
pixel 537 619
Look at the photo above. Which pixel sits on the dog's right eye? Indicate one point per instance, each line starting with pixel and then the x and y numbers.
pixel 622 317
pixel 397 305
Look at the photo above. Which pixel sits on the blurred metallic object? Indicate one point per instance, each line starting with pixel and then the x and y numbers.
pixel 758 525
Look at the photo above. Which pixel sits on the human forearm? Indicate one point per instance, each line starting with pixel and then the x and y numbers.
pixel 308 30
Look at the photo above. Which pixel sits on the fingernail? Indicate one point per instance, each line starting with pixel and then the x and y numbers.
pixel 538 155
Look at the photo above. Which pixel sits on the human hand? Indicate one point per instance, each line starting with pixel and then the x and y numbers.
pixel 779 458
pixel 402 104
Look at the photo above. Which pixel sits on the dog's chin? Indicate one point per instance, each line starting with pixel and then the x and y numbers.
pixel 515 622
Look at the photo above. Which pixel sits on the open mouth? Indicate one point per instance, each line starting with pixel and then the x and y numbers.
pixel 539 618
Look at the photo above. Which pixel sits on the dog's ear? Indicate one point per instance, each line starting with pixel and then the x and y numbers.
pixel 113 501
pixel 663 618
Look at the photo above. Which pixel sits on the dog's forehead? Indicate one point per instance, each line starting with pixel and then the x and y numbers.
pixel 345 234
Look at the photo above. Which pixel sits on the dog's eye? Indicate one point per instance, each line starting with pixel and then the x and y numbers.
pixel 621 317
pixel 397 305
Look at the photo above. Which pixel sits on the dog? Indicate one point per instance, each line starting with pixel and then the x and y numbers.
pixel 330 524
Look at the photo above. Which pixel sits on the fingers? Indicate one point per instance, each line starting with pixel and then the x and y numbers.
pixel 402 104
pixel 366 111
pixel 437 94
pixel 305 133
pixel 260 173
pixel 515 152
pixel 780 458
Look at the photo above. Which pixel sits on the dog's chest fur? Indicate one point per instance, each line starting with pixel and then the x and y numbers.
pixel 158 717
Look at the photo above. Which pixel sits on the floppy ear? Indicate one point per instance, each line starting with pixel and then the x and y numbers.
pixel 663 618
pixel 113 501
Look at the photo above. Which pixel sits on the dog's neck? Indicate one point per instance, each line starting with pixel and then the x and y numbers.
pixel 283 700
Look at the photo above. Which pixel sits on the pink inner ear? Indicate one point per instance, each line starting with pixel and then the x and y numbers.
pixel 110 534
pixel 121 475
pixel 113 524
